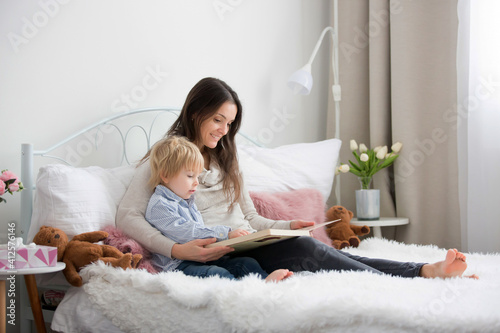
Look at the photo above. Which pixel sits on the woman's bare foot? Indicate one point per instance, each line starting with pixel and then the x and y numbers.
pixel 278 275
pixel 452 266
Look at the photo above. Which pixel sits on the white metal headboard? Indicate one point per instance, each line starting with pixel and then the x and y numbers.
pixel 28 153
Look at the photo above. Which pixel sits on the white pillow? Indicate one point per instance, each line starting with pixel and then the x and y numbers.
pixel 78 200
pixel 290 167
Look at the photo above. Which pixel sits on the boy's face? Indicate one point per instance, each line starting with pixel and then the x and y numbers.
pixel 183 184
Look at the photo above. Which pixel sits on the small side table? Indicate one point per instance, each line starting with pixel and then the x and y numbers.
pixel 381 222
pixel 29 279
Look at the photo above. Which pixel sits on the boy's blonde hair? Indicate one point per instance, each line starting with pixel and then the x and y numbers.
pixel 170 155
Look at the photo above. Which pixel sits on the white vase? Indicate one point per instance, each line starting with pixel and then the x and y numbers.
pixel 367 205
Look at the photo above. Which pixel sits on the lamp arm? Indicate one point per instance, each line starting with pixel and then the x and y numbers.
pixel 335 61
pixel 318 44
pixel 335 38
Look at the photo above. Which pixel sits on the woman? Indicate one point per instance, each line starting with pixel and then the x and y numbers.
pixel 210 118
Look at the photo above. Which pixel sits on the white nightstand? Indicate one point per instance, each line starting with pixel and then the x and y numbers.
pixel 29 279
pixel 382 222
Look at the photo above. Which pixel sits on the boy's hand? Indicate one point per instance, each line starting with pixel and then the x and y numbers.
pixel 238 233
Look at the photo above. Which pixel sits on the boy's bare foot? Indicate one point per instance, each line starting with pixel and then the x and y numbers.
pixel 278 275
pixel 452 266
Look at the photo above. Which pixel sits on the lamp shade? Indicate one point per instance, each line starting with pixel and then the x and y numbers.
pixel 301 81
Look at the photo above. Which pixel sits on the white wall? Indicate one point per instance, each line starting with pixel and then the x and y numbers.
pixel 66 64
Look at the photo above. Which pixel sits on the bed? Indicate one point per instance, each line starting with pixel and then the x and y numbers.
pixel 289 181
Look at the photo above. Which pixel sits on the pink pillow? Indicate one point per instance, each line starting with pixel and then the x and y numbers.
pixel 126 244
pixel 303 204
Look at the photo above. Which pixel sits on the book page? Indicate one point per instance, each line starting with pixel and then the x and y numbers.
pixel 260 238
pixel 318 225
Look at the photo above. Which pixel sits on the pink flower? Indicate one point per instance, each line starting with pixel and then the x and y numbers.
pixel 9 183
pixel 14 187
pixel 7 175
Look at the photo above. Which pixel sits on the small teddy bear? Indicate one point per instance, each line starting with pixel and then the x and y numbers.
pixel 342 233
pixel 81 251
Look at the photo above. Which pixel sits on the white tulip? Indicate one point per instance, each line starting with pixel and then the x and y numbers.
pixel 344 168
pixel 382 152
pixel 397 147
pixel 376 149
pixel 362 148
pixel 364 157
pixel 354 145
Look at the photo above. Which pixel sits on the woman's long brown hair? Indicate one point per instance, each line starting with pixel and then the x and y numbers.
pixel 202 102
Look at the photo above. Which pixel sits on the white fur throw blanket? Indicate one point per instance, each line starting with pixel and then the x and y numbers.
pixel 137 301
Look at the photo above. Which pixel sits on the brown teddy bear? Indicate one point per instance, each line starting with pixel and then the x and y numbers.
pixel 342 233
pixel 81 251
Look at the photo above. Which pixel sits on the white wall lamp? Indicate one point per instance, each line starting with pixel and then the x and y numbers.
pixel 301 81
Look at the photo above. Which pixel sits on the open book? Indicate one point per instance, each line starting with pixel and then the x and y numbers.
pixel 266 237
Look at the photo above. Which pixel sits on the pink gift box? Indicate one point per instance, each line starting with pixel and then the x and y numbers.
pixel 30 257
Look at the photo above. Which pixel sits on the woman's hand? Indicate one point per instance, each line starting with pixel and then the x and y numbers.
pixel 237 233
pixel 300 224
pixel 195 250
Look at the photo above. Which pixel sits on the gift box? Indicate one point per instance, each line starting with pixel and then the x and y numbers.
pixel 27 256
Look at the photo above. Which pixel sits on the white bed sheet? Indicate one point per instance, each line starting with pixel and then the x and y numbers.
pixel 75 314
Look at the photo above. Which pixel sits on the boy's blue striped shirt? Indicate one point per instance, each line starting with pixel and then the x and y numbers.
pixel 179 220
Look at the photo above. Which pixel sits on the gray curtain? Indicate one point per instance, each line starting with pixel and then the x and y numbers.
pixel 398 79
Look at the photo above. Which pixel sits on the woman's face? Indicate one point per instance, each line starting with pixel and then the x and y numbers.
pixel 215 127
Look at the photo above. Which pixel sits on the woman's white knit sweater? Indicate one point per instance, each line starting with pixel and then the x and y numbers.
pixel 211 202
